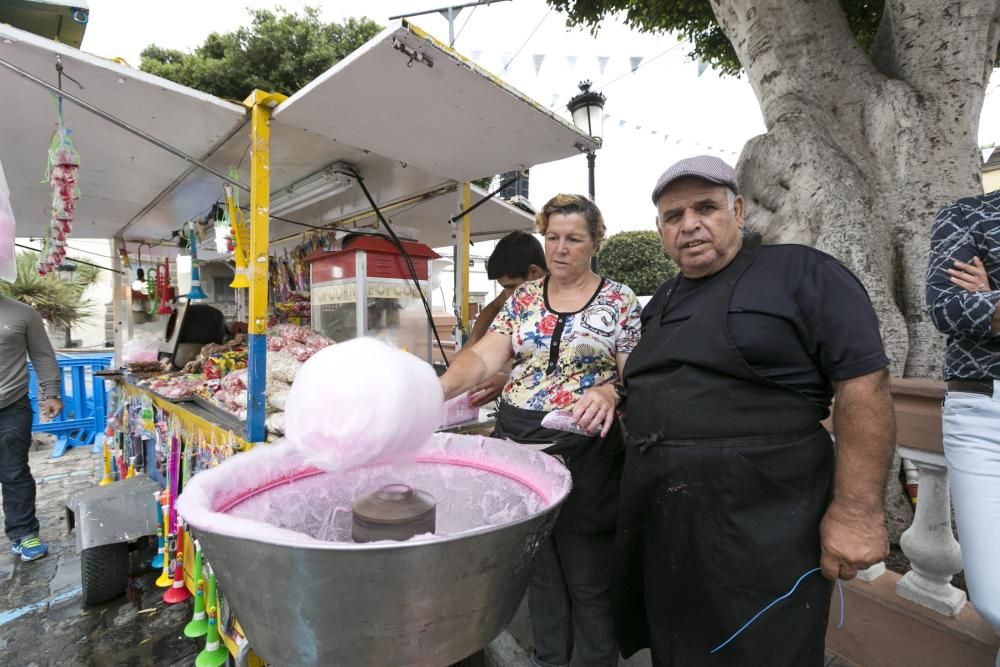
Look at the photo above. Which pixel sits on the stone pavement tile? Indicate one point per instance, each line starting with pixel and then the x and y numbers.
pixel 134 629
pixel 67 575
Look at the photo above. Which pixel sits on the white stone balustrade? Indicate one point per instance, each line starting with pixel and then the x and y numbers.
pixel 935 556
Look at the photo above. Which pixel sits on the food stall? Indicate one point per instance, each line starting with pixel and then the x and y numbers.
pixel 374 157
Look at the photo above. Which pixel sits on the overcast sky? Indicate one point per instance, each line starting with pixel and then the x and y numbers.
pixel 659 108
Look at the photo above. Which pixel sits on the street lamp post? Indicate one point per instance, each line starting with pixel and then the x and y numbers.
pixel 65 272
pixel 587 109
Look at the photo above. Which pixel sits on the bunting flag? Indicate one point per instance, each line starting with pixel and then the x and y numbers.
pixel 507 57
pixel 555 101
pixel 602 63
pixel 702 67
pixel 634 62
pixel 538 58
pixel 476 55
pixel 571 62
pixel 669 139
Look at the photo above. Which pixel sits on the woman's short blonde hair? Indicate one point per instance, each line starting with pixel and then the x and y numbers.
pixel 568 204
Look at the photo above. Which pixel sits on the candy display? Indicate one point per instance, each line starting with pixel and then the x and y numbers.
pixel 174 386
pixel 149 366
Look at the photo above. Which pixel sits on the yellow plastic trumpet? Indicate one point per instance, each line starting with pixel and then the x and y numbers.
pixel 240 241
pixel 106 478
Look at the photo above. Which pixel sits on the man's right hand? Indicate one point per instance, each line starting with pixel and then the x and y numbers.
pixel 488 391
pixel 851 539
pixel 50 408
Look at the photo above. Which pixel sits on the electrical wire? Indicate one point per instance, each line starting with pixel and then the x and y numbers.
pixel 74 260
pixel 638 67
pixel 776 601
pixel 525 42
pixel 459 34
pixel 406 258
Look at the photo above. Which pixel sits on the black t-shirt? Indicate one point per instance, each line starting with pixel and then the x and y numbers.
pixel 798 316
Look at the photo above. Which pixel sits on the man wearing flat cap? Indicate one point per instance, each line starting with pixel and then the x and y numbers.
pixel 732 493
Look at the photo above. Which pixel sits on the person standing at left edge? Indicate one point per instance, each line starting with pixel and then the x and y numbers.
pixel 22 334
pixel 731 490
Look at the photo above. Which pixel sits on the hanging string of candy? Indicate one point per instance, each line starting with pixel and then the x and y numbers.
pixel 62 173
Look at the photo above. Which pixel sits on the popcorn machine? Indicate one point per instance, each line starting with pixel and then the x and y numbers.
pixel 364 288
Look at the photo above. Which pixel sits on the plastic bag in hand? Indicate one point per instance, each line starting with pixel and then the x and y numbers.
pixel 562 420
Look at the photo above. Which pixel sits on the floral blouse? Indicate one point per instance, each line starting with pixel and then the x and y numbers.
pixel 558 356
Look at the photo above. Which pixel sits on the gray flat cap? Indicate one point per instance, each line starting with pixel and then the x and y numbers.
pixel 710 168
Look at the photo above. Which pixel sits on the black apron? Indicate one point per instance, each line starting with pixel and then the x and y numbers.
pixel 595 464
pixel 726 478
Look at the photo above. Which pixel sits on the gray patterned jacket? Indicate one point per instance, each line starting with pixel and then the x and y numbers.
pixel 963 229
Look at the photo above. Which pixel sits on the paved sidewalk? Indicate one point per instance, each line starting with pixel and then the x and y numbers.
pixel 42 620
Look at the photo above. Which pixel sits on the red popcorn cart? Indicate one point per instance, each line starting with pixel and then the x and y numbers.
pixel 366 288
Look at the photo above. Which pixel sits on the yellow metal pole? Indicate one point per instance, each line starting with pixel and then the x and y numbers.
pixel 465 239
pixel 260 105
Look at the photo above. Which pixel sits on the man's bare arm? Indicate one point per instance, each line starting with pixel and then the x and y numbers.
pixel 486 317
pixel 852 533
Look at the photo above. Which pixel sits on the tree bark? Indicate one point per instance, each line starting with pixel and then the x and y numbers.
pixel 863 149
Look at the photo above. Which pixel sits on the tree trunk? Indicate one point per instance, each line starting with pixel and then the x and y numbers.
pixel 862 150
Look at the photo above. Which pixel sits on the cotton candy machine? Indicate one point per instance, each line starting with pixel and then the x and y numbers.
pixel 278 535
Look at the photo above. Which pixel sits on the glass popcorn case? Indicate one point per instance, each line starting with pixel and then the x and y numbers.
pixel 365 288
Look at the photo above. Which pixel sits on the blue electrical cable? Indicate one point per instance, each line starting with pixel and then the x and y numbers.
pixel 776 601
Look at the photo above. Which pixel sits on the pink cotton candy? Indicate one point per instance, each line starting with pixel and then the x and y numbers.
pixel 362 401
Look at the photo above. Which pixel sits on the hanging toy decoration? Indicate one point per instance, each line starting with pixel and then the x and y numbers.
pixel 241 240
pixel 62 173
pixel 152 288
pixel 164 277
pixel 195 293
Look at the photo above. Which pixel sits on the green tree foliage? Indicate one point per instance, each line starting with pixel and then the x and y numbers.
pixel 694 21
pixel 277 52
pixel 636 259
pixel 60 303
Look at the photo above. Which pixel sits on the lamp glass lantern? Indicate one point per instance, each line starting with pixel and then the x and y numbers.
pixel 139 284
pixel 65 271
pixel 587 109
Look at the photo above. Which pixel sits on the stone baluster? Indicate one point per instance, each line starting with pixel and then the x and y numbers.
pixel 935 556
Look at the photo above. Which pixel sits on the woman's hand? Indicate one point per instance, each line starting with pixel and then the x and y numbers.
pixel 596 409
pixel 972 277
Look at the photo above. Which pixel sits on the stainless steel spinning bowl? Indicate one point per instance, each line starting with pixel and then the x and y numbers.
pixel 430 603
pixel 421 602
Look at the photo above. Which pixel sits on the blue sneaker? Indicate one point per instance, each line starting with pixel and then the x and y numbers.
pixel 29 548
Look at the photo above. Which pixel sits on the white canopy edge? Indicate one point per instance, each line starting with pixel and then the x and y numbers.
pixel 408 97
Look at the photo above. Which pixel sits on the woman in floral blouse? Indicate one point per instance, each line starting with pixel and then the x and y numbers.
pixel 569 335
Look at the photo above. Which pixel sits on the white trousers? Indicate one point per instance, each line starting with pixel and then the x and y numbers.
pixel 971 425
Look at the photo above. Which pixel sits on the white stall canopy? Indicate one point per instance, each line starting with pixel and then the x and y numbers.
pixel 413 130
pixel 120 173
pixel 408 97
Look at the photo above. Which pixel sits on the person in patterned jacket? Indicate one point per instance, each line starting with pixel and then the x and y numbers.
pixel 569 335
pixel 963 289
